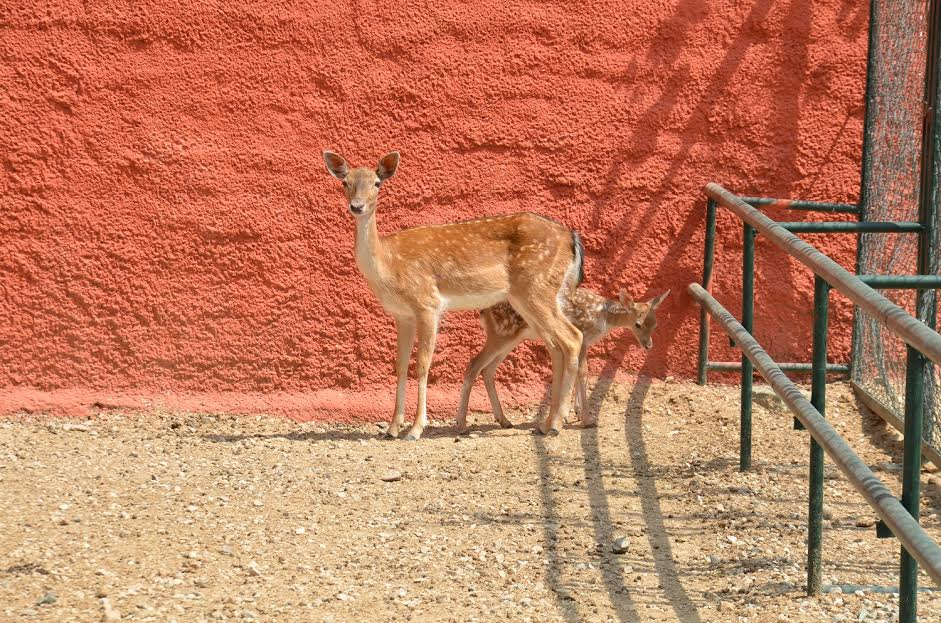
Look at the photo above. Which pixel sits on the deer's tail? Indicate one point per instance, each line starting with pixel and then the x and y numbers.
pixel 578 250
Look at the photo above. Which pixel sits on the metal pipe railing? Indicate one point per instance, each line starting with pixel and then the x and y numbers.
pixel 797 367
pixel 912 536
pixel 892 316
pixel 852 227
pixel 801 204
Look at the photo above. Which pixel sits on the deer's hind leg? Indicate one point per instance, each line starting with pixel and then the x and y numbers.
pixel 563 340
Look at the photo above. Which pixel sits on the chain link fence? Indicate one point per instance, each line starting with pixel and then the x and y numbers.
pixel 890 192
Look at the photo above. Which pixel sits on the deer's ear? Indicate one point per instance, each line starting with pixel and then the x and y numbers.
pixel 655 302
pixel 625 298
pixel 336 165
pixel 387 165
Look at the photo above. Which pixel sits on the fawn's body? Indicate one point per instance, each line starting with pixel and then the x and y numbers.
pixel 418 274
pixel 594 315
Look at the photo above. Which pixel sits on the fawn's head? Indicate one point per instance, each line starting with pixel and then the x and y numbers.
pixel 640 318
pixel 361 185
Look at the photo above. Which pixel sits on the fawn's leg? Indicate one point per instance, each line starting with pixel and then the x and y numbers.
pixel 405 338
pixel 585 415
pixel 489 374
pixel 427 326
pixel 581 390
pixel 484 358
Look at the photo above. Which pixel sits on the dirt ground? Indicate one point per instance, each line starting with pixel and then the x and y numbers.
pixel 164 516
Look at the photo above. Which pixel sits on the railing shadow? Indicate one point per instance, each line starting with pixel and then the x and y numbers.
pixel 432 432
pixel 613 572
pixel 662 552
pixel 613 569
pixel 551 522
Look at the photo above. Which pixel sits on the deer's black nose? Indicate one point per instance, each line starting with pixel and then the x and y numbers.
pixel 357 208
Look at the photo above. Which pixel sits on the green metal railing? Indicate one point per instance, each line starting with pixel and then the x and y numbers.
pixel 748 271
pixel 923 343
pixel 879 497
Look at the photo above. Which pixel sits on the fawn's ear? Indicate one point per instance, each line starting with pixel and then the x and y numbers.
pixel 625 298
pixel 655 302
pixel 336 165
pixel 387 165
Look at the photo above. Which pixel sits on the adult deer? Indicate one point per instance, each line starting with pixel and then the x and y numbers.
pixel 420 273
pixel 594 315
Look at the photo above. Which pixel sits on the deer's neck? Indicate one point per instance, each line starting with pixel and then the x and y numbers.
pixel 369 249
pixel 614 319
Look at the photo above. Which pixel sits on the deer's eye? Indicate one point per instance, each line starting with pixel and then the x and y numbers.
pixel 378 184
pixel 638 324
pixel 345 185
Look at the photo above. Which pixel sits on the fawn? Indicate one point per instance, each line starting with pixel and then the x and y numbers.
pixel 593 315
pixel 418 274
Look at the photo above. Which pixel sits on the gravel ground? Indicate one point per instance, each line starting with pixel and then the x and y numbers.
pixel 164 516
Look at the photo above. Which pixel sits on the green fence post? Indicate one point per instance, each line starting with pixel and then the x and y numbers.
pixel 926 303
pixel 911 473
pixel 818 398
pixel 748 315
pixel 708 256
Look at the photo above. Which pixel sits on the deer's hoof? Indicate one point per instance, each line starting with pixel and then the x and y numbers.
pixel 388 435
pixel 549 433
pixel 411 438
pixel 506 424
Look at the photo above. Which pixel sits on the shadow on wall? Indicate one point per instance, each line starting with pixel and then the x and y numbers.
pixel 775 273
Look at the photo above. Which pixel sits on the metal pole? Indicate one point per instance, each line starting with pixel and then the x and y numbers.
pixel 818 398
pixel 901 282
pixel 707 262
pixel 748 315
pixel 801 204
pixel 925 309
pixel 877 495
pixel 911 473
pixel 840 227
pixel 736 366
pixel 865 170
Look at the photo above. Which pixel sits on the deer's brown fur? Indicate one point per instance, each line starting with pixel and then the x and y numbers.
pixel 594 315
pixel 418 274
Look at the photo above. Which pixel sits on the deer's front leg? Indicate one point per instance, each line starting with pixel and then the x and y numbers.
pixel 405 338
pixel 427 326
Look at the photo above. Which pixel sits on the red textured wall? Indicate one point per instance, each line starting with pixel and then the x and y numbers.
pixel 168 225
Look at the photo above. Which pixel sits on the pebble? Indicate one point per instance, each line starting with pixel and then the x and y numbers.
pixel 48 599
pixel 621 545
pixel 866 522
pixel 248 614
pixel 391 476
pixel 110 614
pixel 252 569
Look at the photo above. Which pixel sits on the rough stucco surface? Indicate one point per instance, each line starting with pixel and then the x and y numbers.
pixel 168 228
